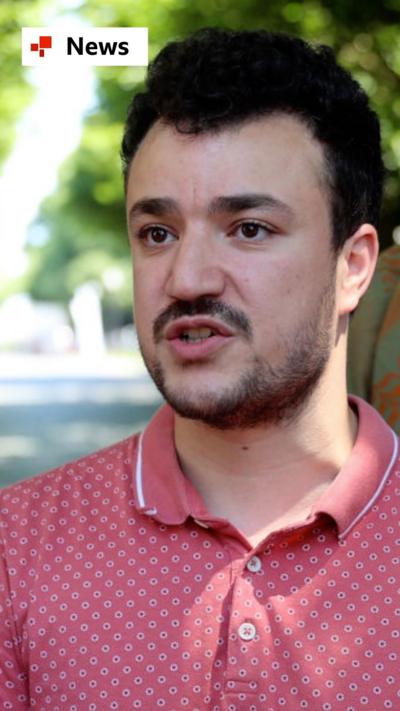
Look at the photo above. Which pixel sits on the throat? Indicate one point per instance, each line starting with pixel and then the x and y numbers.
pixel 263 514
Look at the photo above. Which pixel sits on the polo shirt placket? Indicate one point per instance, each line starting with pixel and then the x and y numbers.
pixel 118 590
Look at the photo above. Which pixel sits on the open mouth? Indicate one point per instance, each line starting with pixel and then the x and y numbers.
pixel 196 335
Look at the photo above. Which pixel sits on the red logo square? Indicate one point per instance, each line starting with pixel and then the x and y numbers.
pixel 45 42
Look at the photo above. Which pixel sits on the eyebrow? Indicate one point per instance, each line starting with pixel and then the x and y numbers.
pixel 162 206
pixel 154 206
pixel 246 201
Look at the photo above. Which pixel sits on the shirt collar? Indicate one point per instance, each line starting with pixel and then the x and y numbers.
pixel 161 487
pixel 363 476
pixel 163 492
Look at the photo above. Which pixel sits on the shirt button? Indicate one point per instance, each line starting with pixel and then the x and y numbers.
pixel 254 564
pixel 247 631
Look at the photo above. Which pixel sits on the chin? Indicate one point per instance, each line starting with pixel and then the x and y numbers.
pixel 237 405
pixel 261 393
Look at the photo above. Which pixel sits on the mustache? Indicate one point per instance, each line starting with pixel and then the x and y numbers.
pixel 203 306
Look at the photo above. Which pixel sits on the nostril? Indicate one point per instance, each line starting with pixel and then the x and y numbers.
pixel 187 284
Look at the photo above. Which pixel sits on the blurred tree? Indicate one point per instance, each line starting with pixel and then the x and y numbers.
pixel 15 91
pixel 76 251
pixel 89 215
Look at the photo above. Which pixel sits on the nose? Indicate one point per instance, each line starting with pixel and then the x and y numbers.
pixel 195 270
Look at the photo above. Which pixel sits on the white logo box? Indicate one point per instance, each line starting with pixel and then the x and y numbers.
pixel 95 46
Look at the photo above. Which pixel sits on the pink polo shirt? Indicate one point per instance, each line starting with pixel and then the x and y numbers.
pixel 119 591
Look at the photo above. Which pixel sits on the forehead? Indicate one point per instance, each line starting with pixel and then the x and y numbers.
pixel 275 154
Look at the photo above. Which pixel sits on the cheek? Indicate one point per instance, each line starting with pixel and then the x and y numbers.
pixel 144 281
pixel 275 284
pixel 142 297
pixel 281 299
pixel 148 298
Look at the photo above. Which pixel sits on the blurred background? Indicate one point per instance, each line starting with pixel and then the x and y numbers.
pixel 71 378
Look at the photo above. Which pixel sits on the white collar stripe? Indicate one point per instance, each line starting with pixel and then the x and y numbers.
pixel 139 476
pixel 139 480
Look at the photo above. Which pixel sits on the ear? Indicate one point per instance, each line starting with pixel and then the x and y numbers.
pixel 356 265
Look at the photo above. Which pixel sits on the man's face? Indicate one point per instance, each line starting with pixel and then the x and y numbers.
pixel 234 275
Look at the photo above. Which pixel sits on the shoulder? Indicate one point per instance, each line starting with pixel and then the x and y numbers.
pixel 103 468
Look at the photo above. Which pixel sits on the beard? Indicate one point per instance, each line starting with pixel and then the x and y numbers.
pixel 262 394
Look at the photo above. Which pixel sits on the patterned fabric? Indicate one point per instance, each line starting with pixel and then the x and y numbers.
pixel 118 590
pixel 374 341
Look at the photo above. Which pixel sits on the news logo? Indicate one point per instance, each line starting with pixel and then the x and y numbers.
pixel 97 46
pixel 44 43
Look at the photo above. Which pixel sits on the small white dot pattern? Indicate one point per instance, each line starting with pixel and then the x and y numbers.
pixel 104 607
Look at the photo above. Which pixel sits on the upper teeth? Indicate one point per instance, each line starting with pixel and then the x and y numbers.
pixel 196 334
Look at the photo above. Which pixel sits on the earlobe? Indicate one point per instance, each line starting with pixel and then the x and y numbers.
pixel 356 267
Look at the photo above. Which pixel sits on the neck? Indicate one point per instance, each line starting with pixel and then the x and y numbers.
pixel 269 475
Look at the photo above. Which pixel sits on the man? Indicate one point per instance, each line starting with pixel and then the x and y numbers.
pixel 240 554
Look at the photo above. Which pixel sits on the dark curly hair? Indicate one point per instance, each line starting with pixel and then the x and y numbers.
pixel 216 78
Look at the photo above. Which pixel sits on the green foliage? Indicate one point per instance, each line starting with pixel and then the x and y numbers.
pixel 15 92
pixel 89 215
pixel 82 251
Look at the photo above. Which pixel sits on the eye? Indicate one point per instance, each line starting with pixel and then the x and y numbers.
pixel 154 235
pixel 251 230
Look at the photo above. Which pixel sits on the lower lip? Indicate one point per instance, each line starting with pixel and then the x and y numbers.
pixel 197 350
